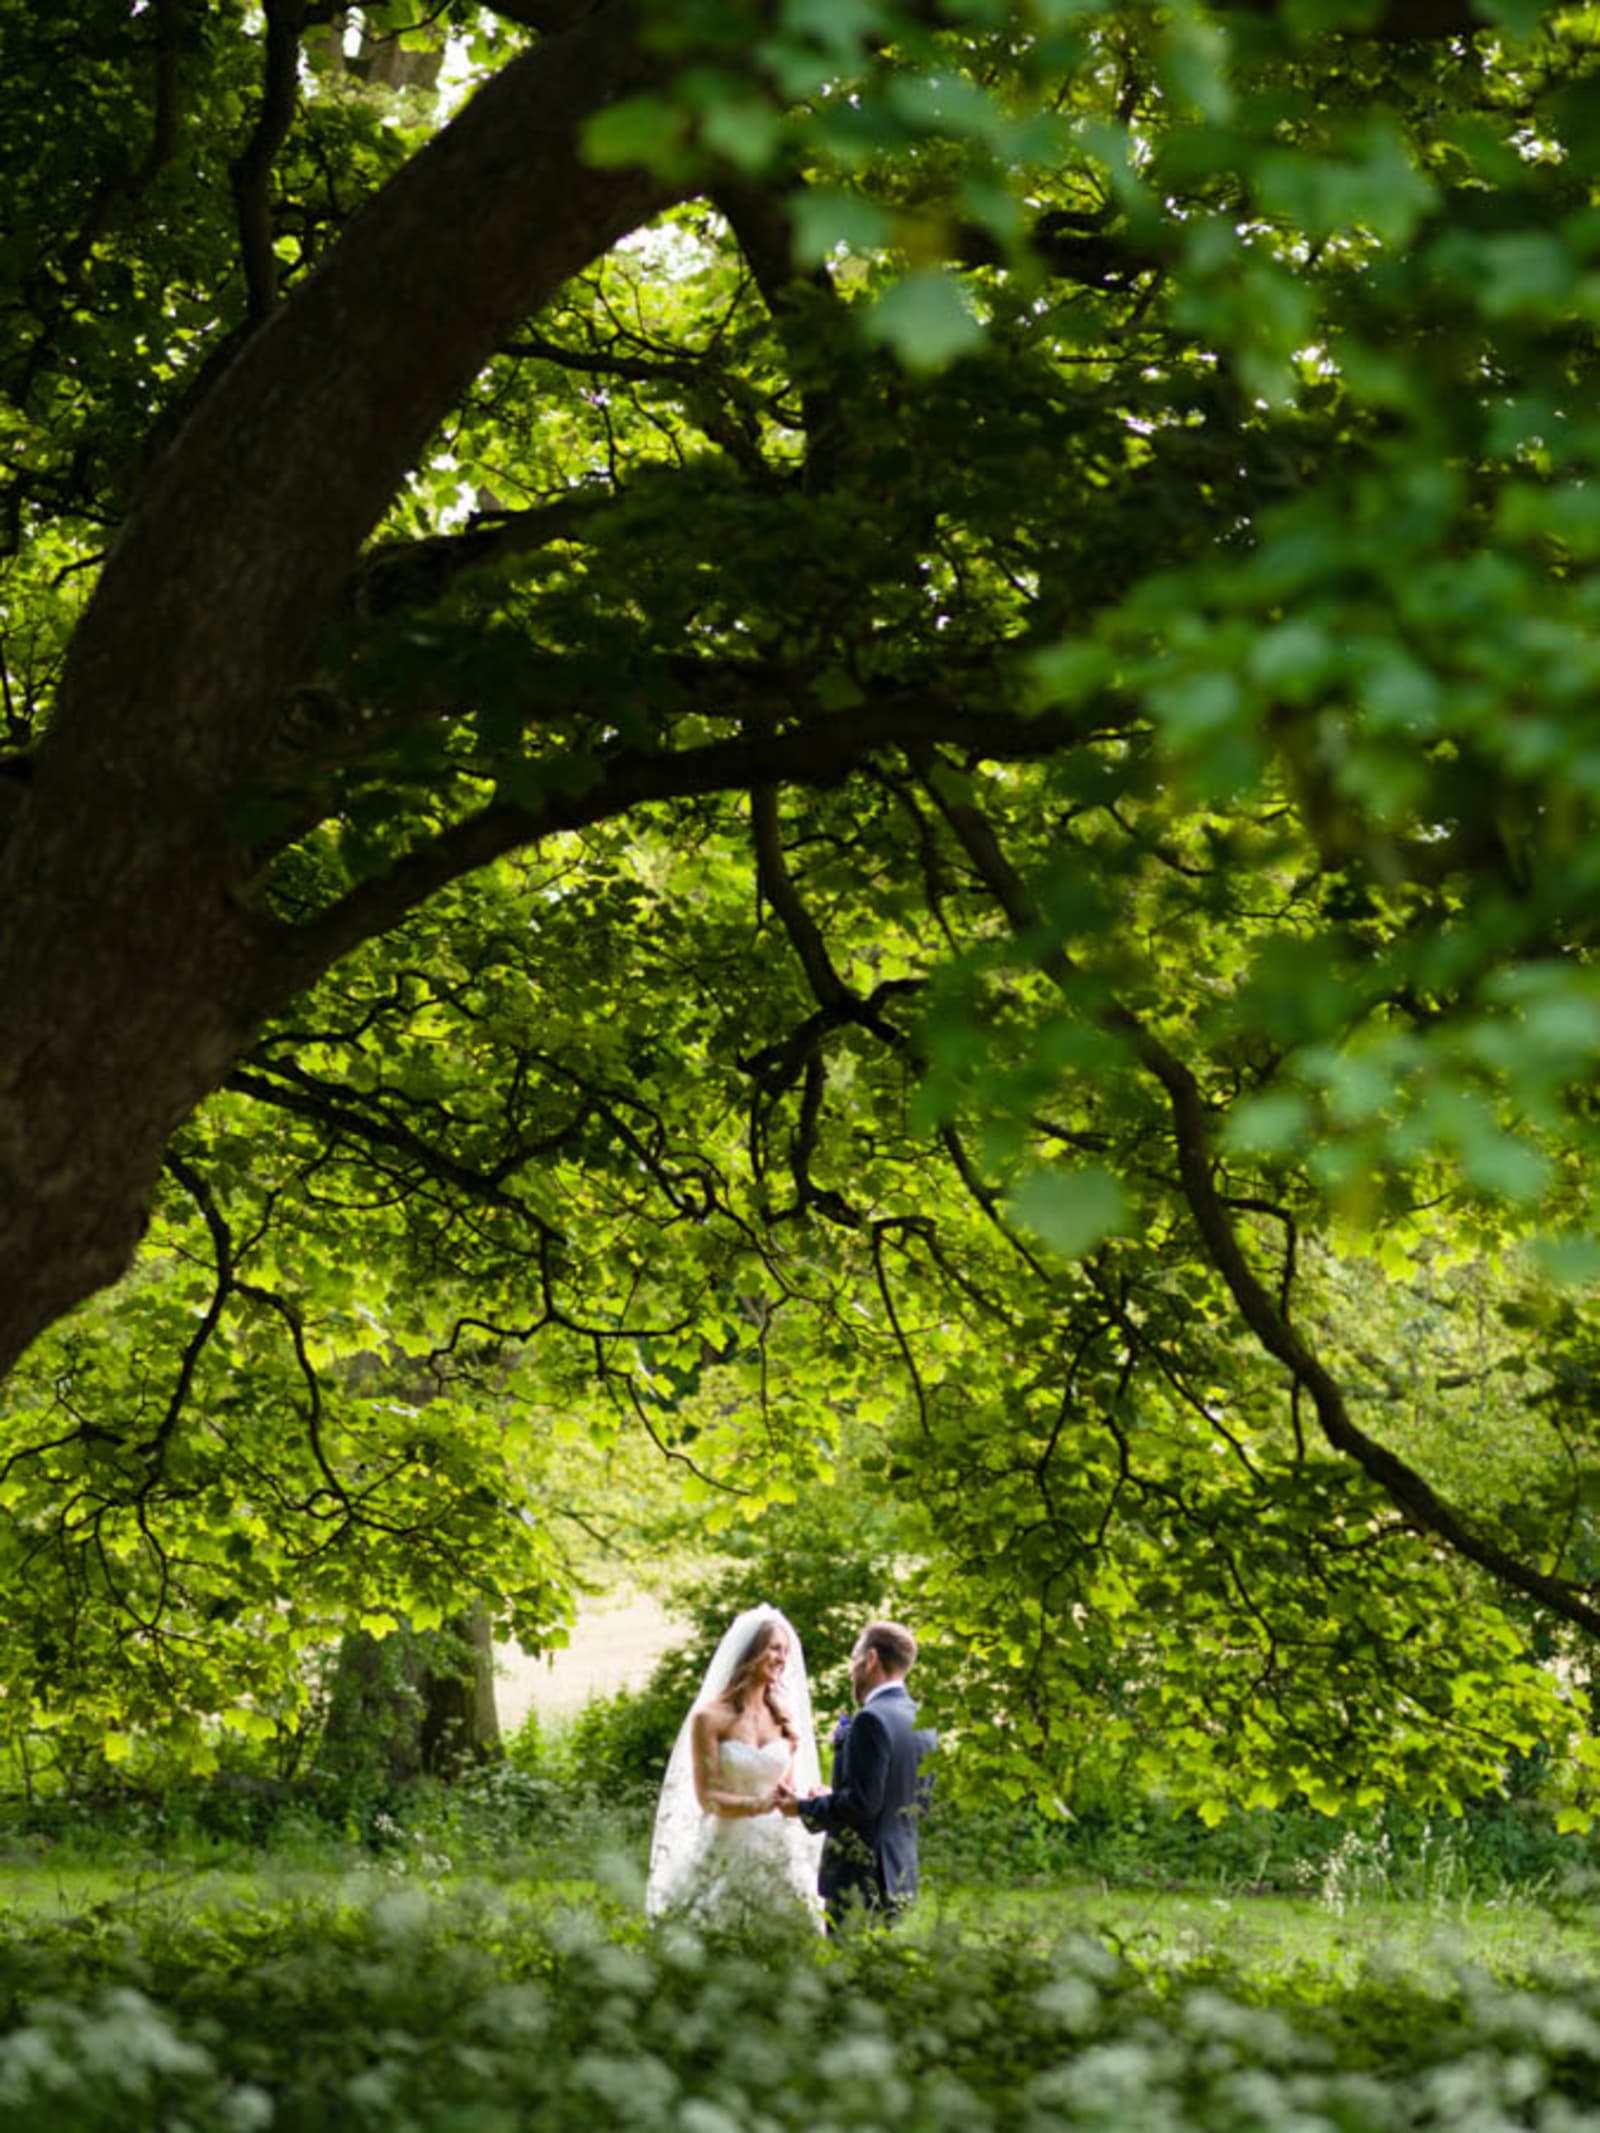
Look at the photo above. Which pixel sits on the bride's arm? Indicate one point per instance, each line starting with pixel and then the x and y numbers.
pixel 708 1790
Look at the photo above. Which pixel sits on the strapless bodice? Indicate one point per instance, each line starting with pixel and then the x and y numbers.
pixel 746 1868
pixel 751 1771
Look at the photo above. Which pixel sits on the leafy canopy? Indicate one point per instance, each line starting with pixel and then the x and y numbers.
pixel 950 815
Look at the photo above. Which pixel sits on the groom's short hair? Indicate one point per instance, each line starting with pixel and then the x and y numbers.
pixel 894 1645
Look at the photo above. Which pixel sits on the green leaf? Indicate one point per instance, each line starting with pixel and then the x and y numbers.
pixel 837 690
pixel 746 130
pixel 1067 673
pixel 1275 1123
pixel 1294 659
pixel 645 130
pixel 838 26
pixel 1573 1261
pixel 1070 1210
pixel 1197 705
pixel 927 321
pixel 1520 18
pixel 1195 58
pixel 824 221
pixel 1524 273
pixel 1504 1164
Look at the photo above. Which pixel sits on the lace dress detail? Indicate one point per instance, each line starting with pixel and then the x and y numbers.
pixel 751 1868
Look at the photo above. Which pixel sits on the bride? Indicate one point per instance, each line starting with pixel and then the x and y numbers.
pixel 721 1852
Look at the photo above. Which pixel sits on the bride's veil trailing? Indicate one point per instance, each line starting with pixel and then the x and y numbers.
pixel 683 1828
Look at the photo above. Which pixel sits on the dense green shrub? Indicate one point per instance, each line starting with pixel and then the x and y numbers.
pixel 561 1796
pixel 618 1745
pixel 1497 1847
pixel 469 2015
pixel 559 1799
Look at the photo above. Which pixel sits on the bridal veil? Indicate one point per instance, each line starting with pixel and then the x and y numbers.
pixel 684 1832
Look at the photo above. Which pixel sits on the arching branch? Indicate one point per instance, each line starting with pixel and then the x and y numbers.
pixel 1412 1494
pixel 777 885
pixel 331 1109
pixel 805 308
pixel 817 750
pixel 406 574
pixel 145 984
pixel 222 1247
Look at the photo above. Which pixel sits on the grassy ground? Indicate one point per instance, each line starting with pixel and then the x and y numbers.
pixel 1263 1935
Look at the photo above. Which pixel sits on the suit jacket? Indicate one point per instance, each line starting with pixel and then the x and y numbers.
pixel 870 1816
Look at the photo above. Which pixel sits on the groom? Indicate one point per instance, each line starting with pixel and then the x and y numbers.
pixel 869 1818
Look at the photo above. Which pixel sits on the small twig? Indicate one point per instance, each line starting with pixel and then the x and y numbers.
pixel 251 172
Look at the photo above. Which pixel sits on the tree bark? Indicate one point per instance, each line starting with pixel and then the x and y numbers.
pixel 408 1705
pixel 133 969
pixel 460 1722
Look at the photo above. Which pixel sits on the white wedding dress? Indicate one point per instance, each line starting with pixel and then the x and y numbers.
pixel 751 1868
pixel 738 1870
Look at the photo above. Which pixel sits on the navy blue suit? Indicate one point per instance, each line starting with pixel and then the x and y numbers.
pixel 870 1816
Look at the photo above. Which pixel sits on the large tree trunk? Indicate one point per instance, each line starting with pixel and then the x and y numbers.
pixel 460 1721
pixel 133 968
pixel 412 1705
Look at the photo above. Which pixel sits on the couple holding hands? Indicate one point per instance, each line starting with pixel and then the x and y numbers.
pixel 743 1815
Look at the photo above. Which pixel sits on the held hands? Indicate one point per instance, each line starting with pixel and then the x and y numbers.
pixel 782 1799
pixel 787 1800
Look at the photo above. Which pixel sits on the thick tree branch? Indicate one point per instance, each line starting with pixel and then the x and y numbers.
pixel 777 1065
pixel 807 311
pixel 245 532
pixel 777 885
pixel 608 361
pixel 818 751
pixel 164 131
pixel 1405 1487
pixel 222 1247
pixel 409 574
pixel 715 401
pixel 289 1312
pixel 1068 246
pixel 233 559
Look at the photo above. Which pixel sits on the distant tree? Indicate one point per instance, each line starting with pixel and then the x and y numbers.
pixel 411 1704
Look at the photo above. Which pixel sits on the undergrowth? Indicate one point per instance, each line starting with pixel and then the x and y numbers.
pixel 467 2013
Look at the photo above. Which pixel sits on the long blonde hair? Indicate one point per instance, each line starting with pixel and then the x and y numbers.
pixel 747 1675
